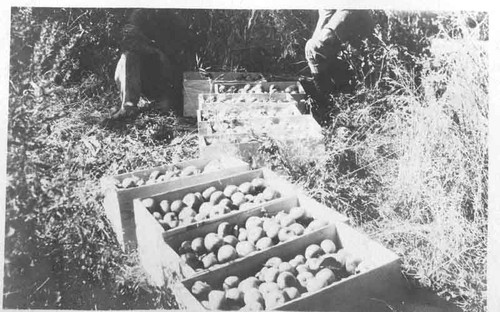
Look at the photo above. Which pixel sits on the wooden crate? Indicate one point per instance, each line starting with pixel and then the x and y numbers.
pixel 118 202
pixel 195 83
pixel 156 256
pixel 301 144
pixel 361 292
pixel 313 208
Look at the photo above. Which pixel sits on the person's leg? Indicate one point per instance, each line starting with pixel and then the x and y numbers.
pixel 128 79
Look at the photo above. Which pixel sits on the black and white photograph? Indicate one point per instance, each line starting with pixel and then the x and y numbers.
pixel 249 156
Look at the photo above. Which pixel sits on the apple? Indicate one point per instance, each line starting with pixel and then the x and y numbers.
pixel 188 171
pixel 273 230
pixel 208 192
pixel 176 206
pixel 259 199
pixel 242 234
pixel 218 211
pixel 230 240
pixel 249 198
pixel 224 229
pixel 212 242
pixel 244 248
pixel 248 283
pixel 271 274
pixel 226 253
pixel 268 287
pixel 297 229
pixel 291 293
pixel 273 262
pixel 259 184
pixel 197 245
pixel 231 282
pixel 253 306
pixel 230 190
pixel 287 221
pixel 254 234
pixel 216 299
pixel 297 213
pixel 253 221
pixel 286 267
pixel 205 209
pixel 264 243
pixel 216 197
pixel 201 289
pixel 165 206
pixel 209 260
pixel 186 213
pixel 313 251
pixel 351 263
pixel 328 246
pixel 190 200
pixel 253 295
pixel 274 299
pixel 269 194
pixel 285 234
pixel 226 202
pixel 149 204
pixel 313 264
pixel 238 198
pixel 315 284
pixel 301 268
pixel 157 215
pixel 246 188
pixel 185 247
pixel 304 277
pixel 327 275
pixel 286 279
pixel 234 295
pixel 316 225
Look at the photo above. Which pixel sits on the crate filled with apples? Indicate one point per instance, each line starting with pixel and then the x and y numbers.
pixel 210 202
pixel 120 190
pixel 248 232
pixel 334 267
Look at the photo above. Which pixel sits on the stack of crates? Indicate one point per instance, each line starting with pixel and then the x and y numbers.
pixel 236 117
pixel 227 237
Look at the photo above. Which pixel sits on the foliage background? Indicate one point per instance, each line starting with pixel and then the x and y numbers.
pixel 390 167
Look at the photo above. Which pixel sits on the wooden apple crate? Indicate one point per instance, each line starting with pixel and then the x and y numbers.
pixel 153 252
pixel 367 291
pixel 195 83
pixel 118 203
pixel 312 207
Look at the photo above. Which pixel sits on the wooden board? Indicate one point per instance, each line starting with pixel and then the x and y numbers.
pixel 118 202
pixel 360 292
pixel 195 83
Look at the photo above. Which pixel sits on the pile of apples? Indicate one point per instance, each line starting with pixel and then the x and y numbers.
pixel 211 203
pixel 257 88
pixel 157 176
pixel 280 281
pixel 232 241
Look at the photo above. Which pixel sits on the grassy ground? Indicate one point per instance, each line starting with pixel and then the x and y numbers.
pixel 408 165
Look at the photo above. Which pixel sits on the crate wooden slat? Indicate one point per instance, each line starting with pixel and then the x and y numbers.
pixel 118 203
pixel 313 208
pixel 360 292
pixel 195 83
